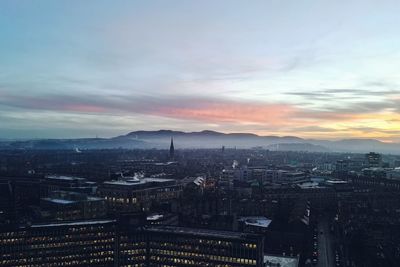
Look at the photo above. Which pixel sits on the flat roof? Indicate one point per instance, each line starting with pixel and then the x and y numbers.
pixel 59 201
pixel 134 182
pixel 62 177
pixel 281 261
pixel 256 221
pixel 201 232
pixel 309 185
pixel 154 217
pixel 77 223
pixel 336 182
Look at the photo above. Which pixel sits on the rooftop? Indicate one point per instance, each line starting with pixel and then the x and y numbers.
pixel 200 232
pixel 256 221
pixel 280 261
pixel 134 182
pixel 335 182
pixel 66 178
pixel 59 201
pixel 76 223
pixel 309 185
pixel 154 217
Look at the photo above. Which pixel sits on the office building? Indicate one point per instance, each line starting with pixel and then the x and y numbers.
pixel 83 243
pixel 65 205
pixel 178 246
pixel 66 183
pixel 133 194
pixel 109 243
pixel 373 159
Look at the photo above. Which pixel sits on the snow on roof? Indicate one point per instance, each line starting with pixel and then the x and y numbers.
pixel 62 177
pixel 281 261
pixel 256 221
pixel 59 201
pixel 154 217
pixel 78 223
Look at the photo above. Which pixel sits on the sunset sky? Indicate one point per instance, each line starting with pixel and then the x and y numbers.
pixel 313 69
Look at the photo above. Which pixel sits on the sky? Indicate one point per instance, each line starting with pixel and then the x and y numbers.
pixel 315 69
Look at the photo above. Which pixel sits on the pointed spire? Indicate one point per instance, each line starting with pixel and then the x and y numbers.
pixel 171 149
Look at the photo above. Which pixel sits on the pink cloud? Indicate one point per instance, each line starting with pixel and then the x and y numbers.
pixel 87 108
pixel 226 111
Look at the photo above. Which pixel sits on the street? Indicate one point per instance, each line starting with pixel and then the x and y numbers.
pixel 325 250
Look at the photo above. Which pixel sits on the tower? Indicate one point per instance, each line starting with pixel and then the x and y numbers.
pixel 171 150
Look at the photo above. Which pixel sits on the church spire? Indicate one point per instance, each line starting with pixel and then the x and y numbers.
pixel 171 149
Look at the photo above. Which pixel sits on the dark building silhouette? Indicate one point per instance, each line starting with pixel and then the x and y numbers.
pixel 373 159
pixel 171 150
pixel 137 194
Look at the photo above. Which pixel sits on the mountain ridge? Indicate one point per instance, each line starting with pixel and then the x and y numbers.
pixel 160 139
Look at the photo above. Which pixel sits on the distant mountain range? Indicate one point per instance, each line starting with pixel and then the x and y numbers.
pixel 207 139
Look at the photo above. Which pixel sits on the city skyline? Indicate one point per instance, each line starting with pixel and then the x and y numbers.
pixel 320 69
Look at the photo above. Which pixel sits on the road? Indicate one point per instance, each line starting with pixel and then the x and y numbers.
pixel 325 248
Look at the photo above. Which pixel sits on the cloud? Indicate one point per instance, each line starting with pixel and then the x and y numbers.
pixel 187 108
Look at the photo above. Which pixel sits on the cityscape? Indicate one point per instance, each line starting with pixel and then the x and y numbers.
pixel 199 133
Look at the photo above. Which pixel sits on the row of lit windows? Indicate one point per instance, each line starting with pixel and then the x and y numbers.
pixel 193 262
pixel 57 262
pixel 64 244
pixel 198 247
pixel 122 200
pixel 98 255
pixel 195 249
pixel 44 253
pixel 133 251
pixel 135 259
pixel 52 239
pixel 124 243
pixel 39 234
pixel 206 242
pixel 201 256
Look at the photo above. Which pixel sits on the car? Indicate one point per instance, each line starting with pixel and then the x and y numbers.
pixel 315 261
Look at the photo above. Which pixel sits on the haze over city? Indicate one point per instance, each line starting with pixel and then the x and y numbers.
pixel 218 133
pixel 312 69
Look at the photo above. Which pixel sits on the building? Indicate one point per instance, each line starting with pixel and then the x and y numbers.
pixel 280 261
pixel 133 194
pixel 286 177
pixel 7 206
pixel 226 180
pixel 66 183
pixel 254 224
pixel 83 243
pixel 64 205
pixel 106 243
pixel 373 159
pixel 178 246
pixel 16 194
pixel 393 174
